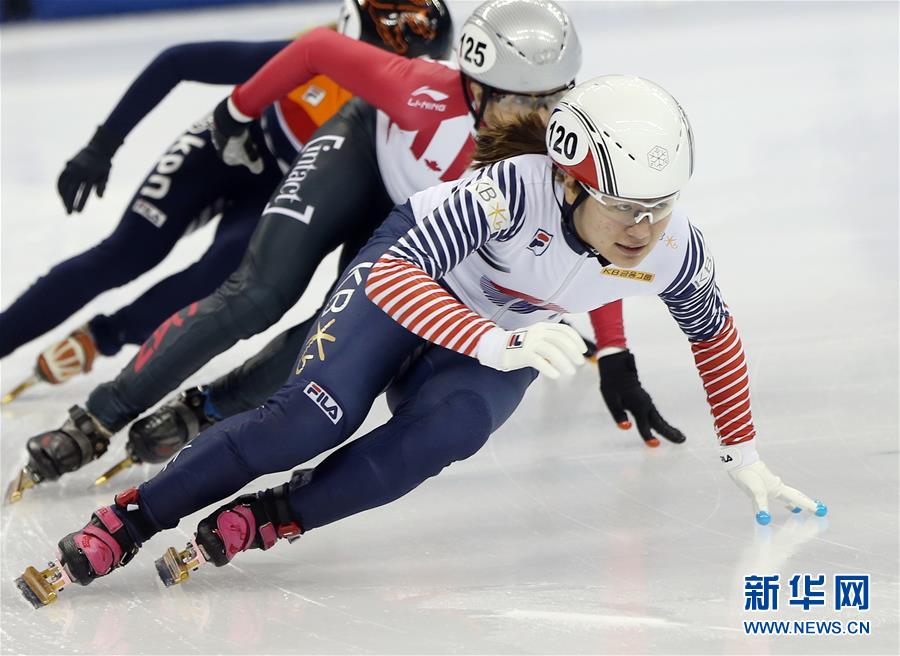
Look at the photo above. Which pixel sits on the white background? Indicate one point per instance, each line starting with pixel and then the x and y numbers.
pixel 564 534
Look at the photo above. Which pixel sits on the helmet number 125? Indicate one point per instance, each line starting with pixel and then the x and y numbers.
pixel 473 51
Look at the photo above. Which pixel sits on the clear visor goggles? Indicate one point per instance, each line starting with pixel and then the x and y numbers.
pixel 523 103
pixel 630 211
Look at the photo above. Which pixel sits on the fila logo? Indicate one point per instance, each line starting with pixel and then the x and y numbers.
pixel 314 95
pixel 540 242
pixel 516 340
pixel 434 104
pixel 326 404
pixel 149 211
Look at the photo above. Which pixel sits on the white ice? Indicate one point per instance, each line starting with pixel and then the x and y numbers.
pixel 564 534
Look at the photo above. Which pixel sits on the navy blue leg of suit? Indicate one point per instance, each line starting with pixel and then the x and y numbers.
pixel 351 356
pixel 134 323
pixel 196 184
pixel 445 408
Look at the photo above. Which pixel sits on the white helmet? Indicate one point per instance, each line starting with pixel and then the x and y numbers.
pixel 624 136
pixel 520 46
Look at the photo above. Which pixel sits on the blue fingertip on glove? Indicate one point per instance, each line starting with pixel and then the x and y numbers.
pixel 821 509
pixel 763 518
pixel 796 510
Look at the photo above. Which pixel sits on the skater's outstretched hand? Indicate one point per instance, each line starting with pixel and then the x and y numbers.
pixel 751 475
pixel 622 391
pixel 89 169
pixel 553 349
pixel 232 139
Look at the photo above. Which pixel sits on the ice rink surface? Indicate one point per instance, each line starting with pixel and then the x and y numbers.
pixel 564 534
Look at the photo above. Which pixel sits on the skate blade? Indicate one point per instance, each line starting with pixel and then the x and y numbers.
pixel 22 482
pixel 40 588
pixel 24 385
pixel 103 479
pixel 175 566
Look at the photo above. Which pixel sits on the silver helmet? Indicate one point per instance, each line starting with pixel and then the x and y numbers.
pixel 520 46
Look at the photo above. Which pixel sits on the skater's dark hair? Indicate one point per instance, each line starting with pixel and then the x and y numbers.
pixel 522 136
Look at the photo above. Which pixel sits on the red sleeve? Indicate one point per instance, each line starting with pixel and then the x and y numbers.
pixel 723 368
pixel 608 327
pixel 381 78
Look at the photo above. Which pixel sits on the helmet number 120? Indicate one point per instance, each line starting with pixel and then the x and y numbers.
pixel 563 143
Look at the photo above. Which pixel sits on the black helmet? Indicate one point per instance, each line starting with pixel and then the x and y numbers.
pixel 411 28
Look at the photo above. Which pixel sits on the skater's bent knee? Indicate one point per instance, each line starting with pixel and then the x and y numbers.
pixel 461 424
pixel 250 308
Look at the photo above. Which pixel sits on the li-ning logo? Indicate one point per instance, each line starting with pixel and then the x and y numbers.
pixel 628 274
pixel 324 401
pixel 516 340
pixel 434 104
pixel 540 242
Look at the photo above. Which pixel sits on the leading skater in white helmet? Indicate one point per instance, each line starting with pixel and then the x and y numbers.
pixel 425 312
pixel 515 56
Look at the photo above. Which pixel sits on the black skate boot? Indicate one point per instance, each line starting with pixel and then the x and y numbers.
pixel 252 521
pixel 89 553
pixel 163 433
pixel 80 440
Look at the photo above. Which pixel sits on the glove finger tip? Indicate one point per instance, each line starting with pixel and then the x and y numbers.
pixel 624 425
pixel 821 509
pixel 652 442
pixel 763 518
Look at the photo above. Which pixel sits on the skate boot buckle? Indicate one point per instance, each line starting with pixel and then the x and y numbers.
pixel 41 588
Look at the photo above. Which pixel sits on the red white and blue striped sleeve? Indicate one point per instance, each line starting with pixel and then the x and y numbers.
pixel 694 300
pixel 403 282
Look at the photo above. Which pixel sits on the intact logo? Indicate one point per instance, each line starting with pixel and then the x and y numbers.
pixel 516 340
pixel 435 104
pixel 540 242
pixel 323 399
pixel 287 201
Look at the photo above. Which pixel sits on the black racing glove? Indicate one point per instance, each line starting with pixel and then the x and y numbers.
pixel 232 139
pixel 89 169
pixel 622 391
